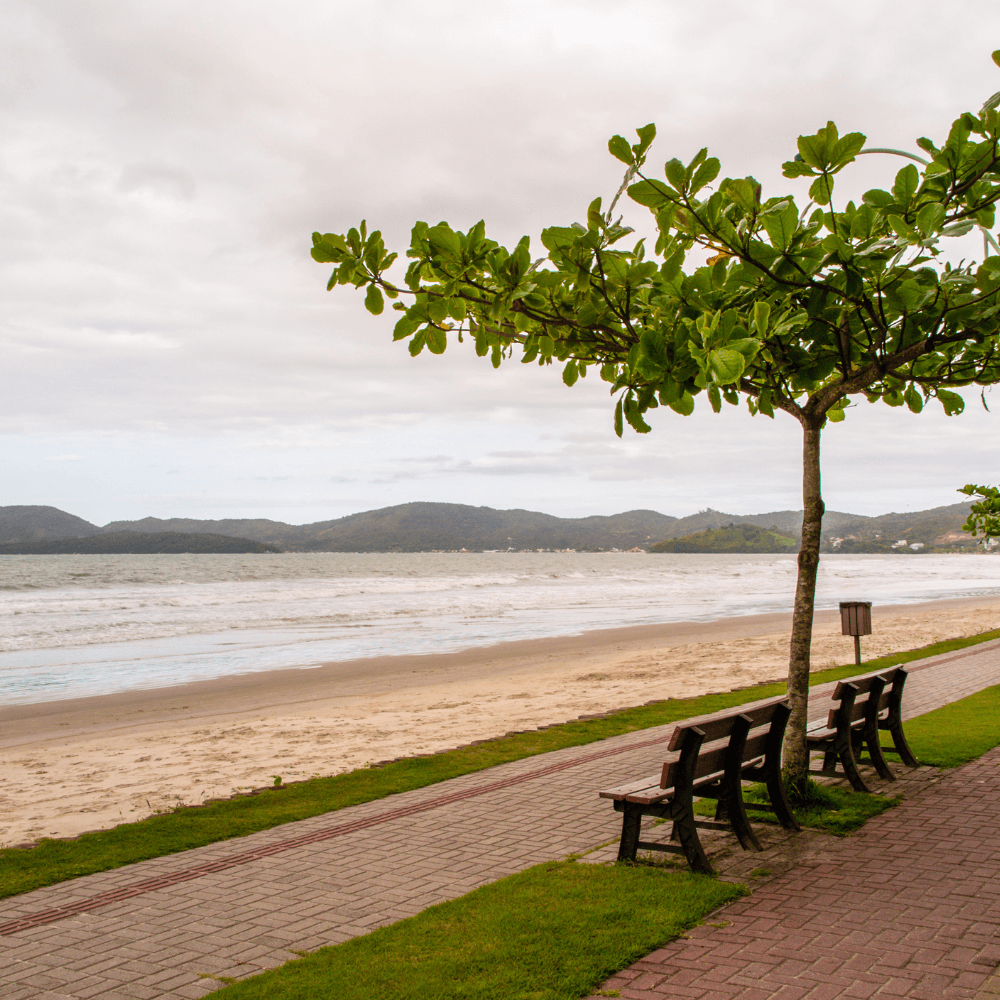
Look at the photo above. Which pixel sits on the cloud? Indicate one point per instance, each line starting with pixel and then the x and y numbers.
pixel 164 165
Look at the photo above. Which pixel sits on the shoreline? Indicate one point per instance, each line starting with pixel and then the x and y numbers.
pixel 90 763
pixel 253 690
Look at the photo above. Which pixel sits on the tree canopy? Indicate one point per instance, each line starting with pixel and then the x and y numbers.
pixel 742 296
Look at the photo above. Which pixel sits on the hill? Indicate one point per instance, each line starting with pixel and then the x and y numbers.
pixel 734 538
pixel 939 527
pixel 424 526
pixel 36 523
pixel 135 543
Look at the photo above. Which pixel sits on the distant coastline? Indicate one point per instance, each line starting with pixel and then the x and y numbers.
pixel 447 527
pixel 136 543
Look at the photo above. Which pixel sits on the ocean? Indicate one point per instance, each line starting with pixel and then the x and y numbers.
pixel 95 624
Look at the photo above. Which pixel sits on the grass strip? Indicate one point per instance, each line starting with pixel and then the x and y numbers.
pixel 552 932
pixel 957 733
pixel 53 861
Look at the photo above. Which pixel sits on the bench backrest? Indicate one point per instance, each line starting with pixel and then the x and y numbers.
pixel 888 683
pixel 755 720
pixel 719 725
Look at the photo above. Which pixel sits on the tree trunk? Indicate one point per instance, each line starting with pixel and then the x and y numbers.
pixel 796 755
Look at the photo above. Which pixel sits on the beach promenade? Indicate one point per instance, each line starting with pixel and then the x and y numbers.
pixel 167 926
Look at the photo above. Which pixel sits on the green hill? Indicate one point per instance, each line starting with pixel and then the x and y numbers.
pixel 135 543
pixel 424 526
pixel 731 539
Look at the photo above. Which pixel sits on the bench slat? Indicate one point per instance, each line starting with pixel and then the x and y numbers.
pixel 760 714
pixel 864 683
pixel 623 791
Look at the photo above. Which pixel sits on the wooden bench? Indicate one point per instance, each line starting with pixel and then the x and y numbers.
pixel 711 756
pixel 862 708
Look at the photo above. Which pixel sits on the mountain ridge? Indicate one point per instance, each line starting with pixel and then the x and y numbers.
pixel 424 525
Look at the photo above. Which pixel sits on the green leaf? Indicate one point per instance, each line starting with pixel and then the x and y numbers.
pixel 781 226
pixel 821 189
pixel 619 424
pixel 746 346
pixel 646 136
pixel 570 373
pixel 595 220
pixel 761 315
pixel 684 405
pixel 878 198
pixel 745 191
pixel 914 400
pixel 437 309
pixel 847 148
pixel 652 194
pixel 835 416
pixel 675 172
pixel 951 401
pixel 930 217
pixel 797 168
pixel 726 365
pixel 437 340
pixel 374 302
pixel 817 150
pixel 715 398
pixel 907 181
pixel 405 327
pixel 706 173
pixel 958 228
pixel 996 57
pixel 619 148
pixel 901 228
pixel 633 414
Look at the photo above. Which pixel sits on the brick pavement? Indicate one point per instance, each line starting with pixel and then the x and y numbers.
pixel 907 907
pixel 167 926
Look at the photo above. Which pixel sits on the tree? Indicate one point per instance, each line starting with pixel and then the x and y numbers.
pixel 794 309
pixel 984 516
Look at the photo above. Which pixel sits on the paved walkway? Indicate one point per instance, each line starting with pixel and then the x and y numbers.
pixel 164 927
pixel 908 907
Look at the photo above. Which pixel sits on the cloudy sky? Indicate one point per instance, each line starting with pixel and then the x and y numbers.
pixel 169 347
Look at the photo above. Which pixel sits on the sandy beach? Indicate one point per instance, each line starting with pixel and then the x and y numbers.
pixel 92 763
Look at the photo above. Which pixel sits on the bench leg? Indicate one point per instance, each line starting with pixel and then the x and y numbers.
pixel 779 800
pixel 738 819
pixel 895 728
pixel 877 757
pixel 845 750
pixel 691 843
pixel 631 822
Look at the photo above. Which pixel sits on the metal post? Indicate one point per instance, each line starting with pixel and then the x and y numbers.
pixel 857 650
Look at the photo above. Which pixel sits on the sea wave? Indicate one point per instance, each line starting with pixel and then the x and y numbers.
pixel 72 625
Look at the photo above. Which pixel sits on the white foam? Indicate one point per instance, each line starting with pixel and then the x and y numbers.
pixel 77 625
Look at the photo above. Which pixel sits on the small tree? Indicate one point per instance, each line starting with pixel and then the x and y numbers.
pixel 984 515
pixel 794 310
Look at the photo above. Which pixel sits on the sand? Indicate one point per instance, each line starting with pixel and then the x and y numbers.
pixel 91 763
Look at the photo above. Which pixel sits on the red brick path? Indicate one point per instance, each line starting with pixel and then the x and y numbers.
pixel 908 907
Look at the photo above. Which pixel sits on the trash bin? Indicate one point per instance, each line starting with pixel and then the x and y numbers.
pixel 856 620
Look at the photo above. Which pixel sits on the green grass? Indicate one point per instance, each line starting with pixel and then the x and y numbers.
pixel 839 811
pixel 57 860
pixel 553 932
pixel 957 733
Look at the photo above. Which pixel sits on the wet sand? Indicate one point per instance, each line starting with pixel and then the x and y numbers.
pixel 90 763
